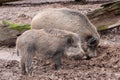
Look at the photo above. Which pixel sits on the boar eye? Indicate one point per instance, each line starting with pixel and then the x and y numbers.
pixel 75 46
pixel 70 40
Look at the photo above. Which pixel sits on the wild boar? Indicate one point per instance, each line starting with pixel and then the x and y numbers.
pixel 52 43
pixel 70 20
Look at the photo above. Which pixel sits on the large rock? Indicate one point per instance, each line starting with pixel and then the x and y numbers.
pixel 9 33
pixel 7 36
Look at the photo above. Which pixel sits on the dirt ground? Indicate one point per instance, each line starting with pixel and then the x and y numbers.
pixel 106 66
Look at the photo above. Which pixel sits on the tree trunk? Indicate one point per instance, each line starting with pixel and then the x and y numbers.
pixel 112 8
pixel 108 15
pixel 84 1
pixel 4 1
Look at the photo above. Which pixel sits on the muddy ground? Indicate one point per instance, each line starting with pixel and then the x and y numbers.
pixel 106 66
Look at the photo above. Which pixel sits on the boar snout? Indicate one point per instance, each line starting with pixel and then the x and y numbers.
pixel 92 46
pixel 79 56
pixel 91 54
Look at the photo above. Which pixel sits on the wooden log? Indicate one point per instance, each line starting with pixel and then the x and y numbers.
pixel 109 3
pixel 106 18
pixel 113 8
pixel 4 1
pixel 105 28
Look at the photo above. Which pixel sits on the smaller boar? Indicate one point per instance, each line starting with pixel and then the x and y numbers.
pixel 52 43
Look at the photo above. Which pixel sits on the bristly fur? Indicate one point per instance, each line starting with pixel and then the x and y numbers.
pixel 58 32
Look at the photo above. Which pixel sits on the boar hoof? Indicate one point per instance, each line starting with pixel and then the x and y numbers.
pixel 88 57
pixel 24 73
pixel 56 67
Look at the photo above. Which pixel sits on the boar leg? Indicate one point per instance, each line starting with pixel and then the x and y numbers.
pixel 23 66
pixel 57 58
pixel 29 64
pixel 31 52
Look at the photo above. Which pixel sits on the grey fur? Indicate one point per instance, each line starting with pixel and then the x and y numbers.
pixel 70 20
pixel 48 42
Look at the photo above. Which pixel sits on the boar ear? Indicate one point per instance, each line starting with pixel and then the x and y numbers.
pixel 69 39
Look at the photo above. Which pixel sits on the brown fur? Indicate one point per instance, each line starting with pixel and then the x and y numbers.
pixel 49 42
pixel 70 20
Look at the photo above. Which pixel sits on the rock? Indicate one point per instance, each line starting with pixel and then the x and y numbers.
pixel 8 34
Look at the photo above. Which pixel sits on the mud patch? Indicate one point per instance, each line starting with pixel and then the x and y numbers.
pixel 8 54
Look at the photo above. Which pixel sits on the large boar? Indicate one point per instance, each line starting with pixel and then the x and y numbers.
pixel 52 43
pixel 70 20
